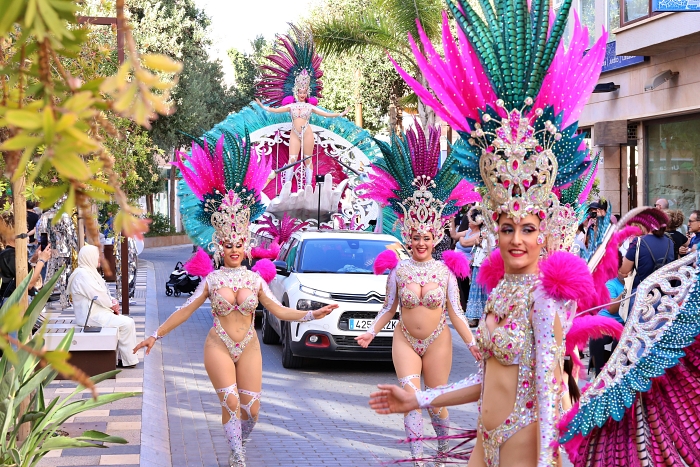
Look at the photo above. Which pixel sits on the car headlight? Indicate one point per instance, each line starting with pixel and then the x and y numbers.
pixel 308 305
pixel 310 291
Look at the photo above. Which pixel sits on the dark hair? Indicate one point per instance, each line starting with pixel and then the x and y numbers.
pixel 574 391
pixel 659 232
pixel 31 204
pixel 473 214
pixel 675 219
pixel 696 212
pixel 619 259
pixel 581 228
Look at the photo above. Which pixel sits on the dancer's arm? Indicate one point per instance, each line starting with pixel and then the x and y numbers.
pixel 459 321
pixel 272 305
pixel 178 317
pixel 274 110
pixel 385 314
pixel 323 113
pixel 393 399
pixel 549 380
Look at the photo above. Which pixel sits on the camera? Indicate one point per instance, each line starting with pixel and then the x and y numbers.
pixel 593 214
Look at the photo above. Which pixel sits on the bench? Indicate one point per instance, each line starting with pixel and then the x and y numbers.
pixel 92 352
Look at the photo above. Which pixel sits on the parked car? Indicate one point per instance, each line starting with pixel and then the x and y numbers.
pixel 317 268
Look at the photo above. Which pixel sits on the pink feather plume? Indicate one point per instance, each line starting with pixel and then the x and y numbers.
pixel 199 264
pixel 491 271
pixel 457 263
pixel 464 193
pixel 266 269
pixel 591 327
pixel 576 284
pixel 270 253
pixel 387 259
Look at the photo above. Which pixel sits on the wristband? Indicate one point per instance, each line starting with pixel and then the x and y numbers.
pixel 309 316
pixel 372 331
pixel 40 261
pixel 155 334
pixel 472 343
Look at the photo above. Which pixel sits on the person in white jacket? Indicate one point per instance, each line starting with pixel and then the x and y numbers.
pixel 85 284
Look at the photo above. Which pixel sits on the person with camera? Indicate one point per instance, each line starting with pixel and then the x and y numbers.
pixel 693 234
pixel 596 210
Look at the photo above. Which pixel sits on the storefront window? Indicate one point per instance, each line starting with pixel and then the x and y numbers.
pixel 613 18
pixel 635 9
pixel 673 164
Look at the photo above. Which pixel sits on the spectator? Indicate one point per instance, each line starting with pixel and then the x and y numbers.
pixel 32 220
pixel 675 220
pixel 109 226
pixel 601 349
pixel 458 233
pixel 8 272
pixel 661 203
pixel 85 284
pixel 693 234
pixel 596 210
pixel 479 240
pixel 655 252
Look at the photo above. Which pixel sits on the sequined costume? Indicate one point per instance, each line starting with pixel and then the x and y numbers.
pixel 424 199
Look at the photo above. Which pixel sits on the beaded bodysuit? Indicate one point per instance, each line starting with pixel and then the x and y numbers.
pixel 422 273
pixel 235 279
pixel 525 316
pixel 300 110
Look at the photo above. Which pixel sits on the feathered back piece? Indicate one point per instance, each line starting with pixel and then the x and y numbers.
pixel 514 92
pixel 220 191
pixel 295 65
pixel 284 229
pixel 408 180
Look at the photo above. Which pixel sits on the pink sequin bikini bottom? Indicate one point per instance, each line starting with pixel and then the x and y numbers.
pixel 235 349
pixel 524 413
pixel 420 346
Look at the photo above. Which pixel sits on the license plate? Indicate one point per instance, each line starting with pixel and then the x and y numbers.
pixel 364 324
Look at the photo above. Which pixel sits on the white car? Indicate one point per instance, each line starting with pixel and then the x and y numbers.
pixel 317 268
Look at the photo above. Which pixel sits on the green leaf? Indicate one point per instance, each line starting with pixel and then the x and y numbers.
pixel 26 119
pixel 15 297
pixel 12 320
pixel 76 407
pixel 37 305
pixel 64 442
pixel 93 435
pixel 71 165
pixel 19 142
pixel 11 11
pixel 52 20
pixel 31 416
pixel 49 195
pixel 33 383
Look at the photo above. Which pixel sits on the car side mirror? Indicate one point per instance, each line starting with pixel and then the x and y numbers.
pixel 281 267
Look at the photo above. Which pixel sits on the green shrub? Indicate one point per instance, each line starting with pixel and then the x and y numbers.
pixel 160 225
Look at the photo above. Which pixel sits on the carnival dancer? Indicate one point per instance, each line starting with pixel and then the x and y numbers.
pixel 423 289
pixel 516 108
pixel 293 84
pixel 220 199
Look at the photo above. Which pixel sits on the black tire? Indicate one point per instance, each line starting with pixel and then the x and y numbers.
pixel 178 293
pixel 289 360
pixel 269 335
pixel 168 291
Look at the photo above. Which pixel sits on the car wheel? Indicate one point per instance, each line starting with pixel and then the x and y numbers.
pixel 289 360
pixel 269 336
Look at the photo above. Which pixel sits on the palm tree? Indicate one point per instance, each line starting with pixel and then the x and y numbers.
pixel 383 25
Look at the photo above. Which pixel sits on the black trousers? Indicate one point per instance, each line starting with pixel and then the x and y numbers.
pixel 599 355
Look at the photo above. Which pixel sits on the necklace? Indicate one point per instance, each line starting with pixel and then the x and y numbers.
pixel 511 295
pixel 422 273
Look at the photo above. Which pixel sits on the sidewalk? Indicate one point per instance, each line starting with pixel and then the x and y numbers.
pixel 125 417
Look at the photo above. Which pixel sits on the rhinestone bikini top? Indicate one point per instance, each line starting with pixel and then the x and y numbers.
pixel 300 110
pixel 510 302
pixel 234 279
pixel 413 272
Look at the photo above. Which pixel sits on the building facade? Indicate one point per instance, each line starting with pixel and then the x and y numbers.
pixel 645 119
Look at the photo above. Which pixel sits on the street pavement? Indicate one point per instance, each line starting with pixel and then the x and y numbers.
pixel 317 415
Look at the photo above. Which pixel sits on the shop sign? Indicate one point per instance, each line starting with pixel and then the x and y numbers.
pixel 614 62
pixel 675 5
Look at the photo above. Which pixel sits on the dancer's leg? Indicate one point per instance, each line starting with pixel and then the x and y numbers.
pixel 222 373
pixel 308 142
pixel 294 148
pixel 249 377
pixel 408 368
pixel 437 363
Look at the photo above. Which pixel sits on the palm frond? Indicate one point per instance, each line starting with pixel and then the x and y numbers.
pixel 404 14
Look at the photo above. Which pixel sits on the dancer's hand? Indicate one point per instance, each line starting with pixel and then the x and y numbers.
pixel 364 339
pixel 325 311
pixel 260 104
pixel 475 352
pixel 148 343
pixel 345 112
pixel 392 399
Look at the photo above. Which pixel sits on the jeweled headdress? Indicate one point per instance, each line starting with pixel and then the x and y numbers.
pixel 408 180
pixel 514 94
pixel 294 65
pixel 220 191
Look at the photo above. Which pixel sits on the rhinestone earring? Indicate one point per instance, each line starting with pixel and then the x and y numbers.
pixel 540 239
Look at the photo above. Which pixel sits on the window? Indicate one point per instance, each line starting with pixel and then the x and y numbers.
pixel 586 12
pixel 673 163
pixel 341 255
pixel 292 254
pixel 635 9
pixel 613 13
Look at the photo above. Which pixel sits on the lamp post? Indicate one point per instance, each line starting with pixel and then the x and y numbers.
pixel 319 183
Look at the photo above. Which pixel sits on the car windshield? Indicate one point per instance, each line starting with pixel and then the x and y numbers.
pixel 341 255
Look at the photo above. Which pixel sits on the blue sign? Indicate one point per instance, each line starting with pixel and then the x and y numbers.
pixel 675 5
pixel 613 61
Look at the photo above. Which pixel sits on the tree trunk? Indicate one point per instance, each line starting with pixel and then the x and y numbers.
pixel 358 101
pixel 172 190
pixel 149 204
pixel 425 113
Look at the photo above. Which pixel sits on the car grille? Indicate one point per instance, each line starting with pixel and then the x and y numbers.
pixel 379 344
pixel 372 297
pixel 344 321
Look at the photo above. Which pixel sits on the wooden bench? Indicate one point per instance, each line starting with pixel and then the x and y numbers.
pixel 92 352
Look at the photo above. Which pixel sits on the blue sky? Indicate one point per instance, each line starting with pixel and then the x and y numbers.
pixel 236 22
